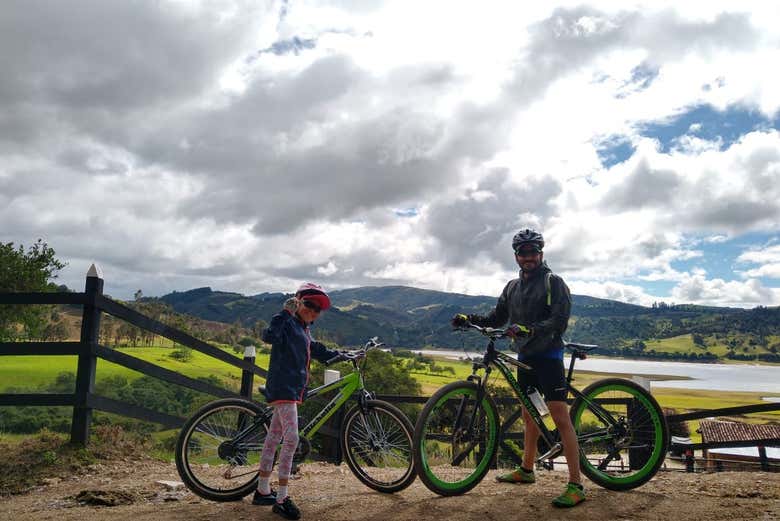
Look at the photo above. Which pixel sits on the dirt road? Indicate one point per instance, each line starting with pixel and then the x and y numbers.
pixel 326 492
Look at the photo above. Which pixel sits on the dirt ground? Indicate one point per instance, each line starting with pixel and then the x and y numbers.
pixel 327 492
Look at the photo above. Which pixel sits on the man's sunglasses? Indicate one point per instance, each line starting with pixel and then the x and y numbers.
pixel 528 252
pixel 311 305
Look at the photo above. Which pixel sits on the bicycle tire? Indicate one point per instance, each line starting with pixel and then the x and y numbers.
pixel 438 439
pixel 642 435
pixel 377 446
pixel 207 463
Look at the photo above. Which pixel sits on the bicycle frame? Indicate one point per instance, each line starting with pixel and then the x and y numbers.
pixel 348 385
pixel 495 358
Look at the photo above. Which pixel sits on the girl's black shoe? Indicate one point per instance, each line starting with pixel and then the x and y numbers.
pixel 287 509
pixel 264 499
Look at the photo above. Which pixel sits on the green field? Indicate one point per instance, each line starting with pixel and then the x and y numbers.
pixel 684 344
pixel 37 372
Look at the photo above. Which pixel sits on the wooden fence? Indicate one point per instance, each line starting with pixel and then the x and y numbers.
pixel 84 400
pixel 688 450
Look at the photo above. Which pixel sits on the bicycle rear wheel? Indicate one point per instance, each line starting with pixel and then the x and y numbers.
pixel 377 446
pixel 218 449
pixel 455 439
pixel 626 452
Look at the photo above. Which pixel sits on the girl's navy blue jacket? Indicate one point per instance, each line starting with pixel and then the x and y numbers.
pixel 291 352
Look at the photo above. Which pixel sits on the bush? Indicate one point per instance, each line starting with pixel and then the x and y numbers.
pixel 182 354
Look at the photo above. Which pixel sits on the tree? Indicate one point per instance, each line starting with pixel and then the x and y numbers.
pixel 138 295
pixel 56 331
pixel 23 271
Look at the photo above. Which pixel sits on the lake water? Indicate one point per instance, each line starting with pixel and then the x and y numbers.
pixel 720 377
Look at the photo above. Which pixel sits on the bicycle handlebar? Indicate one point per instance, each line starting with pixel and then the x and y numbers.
pixel 490 332
pixel 353 356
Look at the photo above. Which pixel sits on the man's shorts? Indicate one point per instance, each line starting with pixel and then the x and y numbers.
pixel 548 376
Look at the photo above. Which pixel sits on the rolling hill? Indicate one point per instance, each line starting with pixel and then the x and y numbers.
pixel 415 318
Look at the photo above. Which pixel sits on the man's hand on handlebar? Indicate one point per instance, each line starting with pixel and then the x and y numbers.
pixel 460 320
pixel 518 330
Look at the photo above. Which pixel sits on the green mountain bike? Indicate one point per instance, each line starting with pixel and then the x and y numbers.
pixel 621 429
pixel 218 449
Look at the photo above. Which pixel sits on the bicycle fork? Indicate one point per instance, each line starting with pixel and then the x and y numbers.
pixel 467 433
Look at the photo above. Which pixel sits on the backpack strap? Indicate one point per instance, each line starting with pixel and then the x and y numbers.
pixel 547 287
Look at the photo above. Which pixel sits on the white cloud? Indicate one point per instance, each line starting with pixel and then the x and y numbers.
pixel 614 291
pixel 768 258
pixel 159 140
pixel 718 292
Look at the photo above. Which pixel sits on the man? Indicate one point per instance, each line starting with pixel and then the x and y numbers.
pixel 537 307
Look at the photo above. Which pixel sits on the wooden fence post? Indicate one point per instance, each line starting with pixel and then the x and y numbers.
pixel 763 458
pixel 248 376
pixel 85 374
pixel 689 460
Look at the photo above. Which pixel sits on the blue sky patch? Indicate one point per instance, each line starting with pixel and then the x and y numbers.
pixel 720 258
pixel 406 212
pixel 642 76
pixel 294 45
pixel 615 150
pixel 705 122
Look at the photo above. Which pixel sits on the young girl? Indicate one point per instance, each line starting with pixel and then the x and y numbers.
pixel 288 373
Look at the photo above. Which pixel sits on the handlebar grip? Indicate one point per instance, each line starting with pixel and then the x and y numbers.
pixel 335 359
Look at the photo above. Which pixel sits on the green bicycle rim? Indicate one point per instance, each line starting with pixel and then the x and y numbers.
pixel 658 432
pixel 478 470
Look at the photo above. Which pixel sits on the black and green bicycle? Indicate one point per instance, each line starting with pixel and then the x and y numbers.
pixel 620 427
pixel 219 447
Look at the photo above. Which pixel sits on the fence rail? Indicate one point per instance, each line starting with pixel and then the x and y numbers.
pixel 688 449
pixel 83 399
pixel 88 350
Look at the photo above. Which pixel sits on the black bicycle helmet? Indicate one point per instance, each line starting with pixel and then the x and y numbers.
pixel 527 236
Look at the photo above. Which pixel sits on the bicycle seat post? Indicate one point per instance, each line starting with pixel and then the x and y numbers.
pixel 571 367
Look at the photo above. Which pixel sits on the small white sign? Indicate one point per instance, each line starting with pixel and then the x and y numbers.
pixel 641 380
pixel 331 376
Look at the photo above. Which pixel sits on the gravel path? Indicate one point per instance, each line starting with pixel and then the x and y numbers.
pixel 326 492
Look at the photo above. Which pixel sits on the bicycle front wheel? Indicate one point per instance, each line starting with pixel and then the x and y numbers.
pixel 622 433
pixel 377 446
pixel 218 449
pixel 455 439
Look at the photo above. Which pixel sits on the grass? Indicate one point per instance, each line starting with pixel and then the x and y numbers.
pixel 35 372
pixel 38 372
pixel 28 460
pixel 681 400
pixel 683 344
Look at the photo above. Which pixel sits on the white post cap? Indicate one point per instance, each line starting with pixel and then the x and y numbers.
pixel 641 380
pixel 249 351
pixel 95 271
pixel 331 375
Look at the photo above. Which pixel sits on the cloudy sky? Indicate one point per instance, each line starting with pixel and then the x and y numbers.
pixel 249 146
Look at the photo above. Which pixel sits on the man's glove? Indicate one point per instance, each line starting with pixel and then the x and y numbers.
pixel 518 330
pixel 459 320
pixel 291 305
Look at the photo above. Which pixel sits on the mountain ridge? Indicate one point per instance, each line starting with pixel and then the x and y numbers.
pixel 417 318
